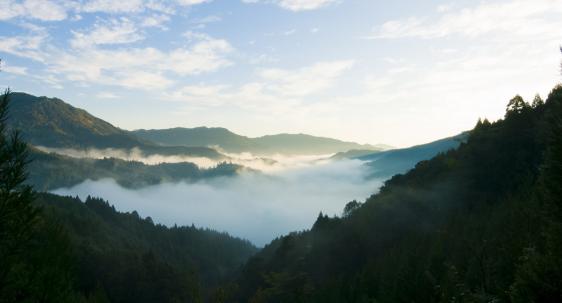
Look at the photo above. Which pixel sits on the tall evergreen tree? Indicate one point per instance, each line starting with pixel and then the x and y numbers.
pixel 17 214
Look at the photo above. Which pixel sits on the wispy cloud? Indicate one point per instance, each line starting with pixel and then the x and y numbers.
pixel 296 5
pixel 516 17
pixel 45 10
pixel 116 31
pixel 274 91
pixel 57 10
pixel 130 67
pixel 306 80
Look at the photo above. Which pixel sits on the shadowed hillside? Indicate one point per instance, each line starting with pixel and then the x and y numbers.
pixel 51 122
pixel 479 223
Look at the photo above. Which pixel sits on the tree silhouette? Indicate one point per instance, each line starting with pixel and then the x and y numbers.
pixel 17 215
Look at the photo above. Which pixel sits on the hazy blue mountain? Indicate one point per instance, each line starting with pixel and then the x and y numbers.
pixel 353 154
pixel 51 122
pixel 289 144
pixel 397 161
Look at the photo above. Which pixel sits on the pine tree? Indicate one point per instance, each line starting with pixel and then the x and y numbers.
pixel 17 214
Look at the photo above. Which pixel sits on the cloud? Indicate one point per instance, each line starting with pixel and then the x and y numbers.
pixel 271 163
pixel 302 5
pixel 156 21
pixel 307 80
pixel 258 207
pixel 146 68
pixel 111 6
pixel 512 18
pixel 16 70
pixel 29 46
pixel 296 5
pixel 135 6
pixel 117 31
pixel 45 10
pixel 58 10
pixel 279 91
pixel 192 2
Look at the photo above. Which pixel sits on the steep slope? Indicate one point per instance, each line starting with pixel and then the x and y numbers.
pixel 398 161
pixel 289 144
pixel 480 223
pixel 51 122
pixel 385 164
pixel 126 258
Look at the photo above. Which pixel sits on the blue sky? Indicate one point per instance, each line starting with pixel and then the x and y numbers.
pixel 395 72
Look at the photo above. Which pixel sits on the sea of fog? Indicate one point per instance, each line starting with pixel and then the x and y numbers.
pixel 255 206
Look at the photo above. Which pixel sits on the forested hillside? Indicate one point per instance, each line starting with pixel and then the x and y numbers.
pixel 61 249
pixel 51 122
pixel 52 171
pixel 481 223
pixel 130 259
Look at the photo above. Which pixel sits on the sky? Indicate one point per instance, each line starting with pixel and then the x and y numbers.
pixel 398 72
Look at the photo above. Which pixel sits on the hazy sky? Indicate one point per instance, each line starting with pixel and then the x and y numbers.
pixel 396 72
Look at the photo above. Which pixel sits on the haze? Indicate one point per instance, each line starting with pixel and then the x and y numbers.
pixel 254 206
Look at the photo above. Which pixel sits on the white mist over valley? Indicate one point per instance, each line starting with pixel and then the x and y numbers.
pixel 258 206
pixel 275 162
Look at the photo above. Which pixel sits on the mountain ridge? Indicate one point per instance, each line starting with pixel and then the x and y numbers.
pixel 230 142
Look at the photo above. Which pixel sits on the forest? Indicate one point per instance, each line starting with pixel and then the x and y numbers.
pixel 480 223
pixel 62 249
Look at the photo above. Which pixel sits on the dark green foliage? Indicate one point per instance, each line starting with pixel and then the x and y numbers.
pixel 130 259
pixel 32 252
pixel 52 171
pixel 539 276
pixel 481 223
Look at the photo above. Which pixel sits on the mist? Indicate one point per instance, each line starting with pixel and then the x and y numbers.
pixel 275 162
pixel 255 206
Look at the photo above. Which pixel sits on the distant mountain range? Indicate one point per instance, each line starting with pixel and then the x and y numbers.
pixel 222 138
pixel 51 122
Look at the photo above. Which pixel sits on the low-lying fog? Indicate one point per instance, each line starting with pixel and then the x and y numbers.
pixel 255 206
pixel 270 163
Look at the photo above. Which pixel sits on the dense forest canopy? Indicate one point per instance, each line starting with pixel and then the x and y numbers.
pixel 481 223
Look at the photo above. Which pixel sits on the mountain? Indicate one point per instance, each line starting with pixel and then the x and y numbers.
pixel 397 161
pixel 63 249
pixel 288 144
pixel 49 171
pixel 51 122
pixel 477 223
pixel 385 164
